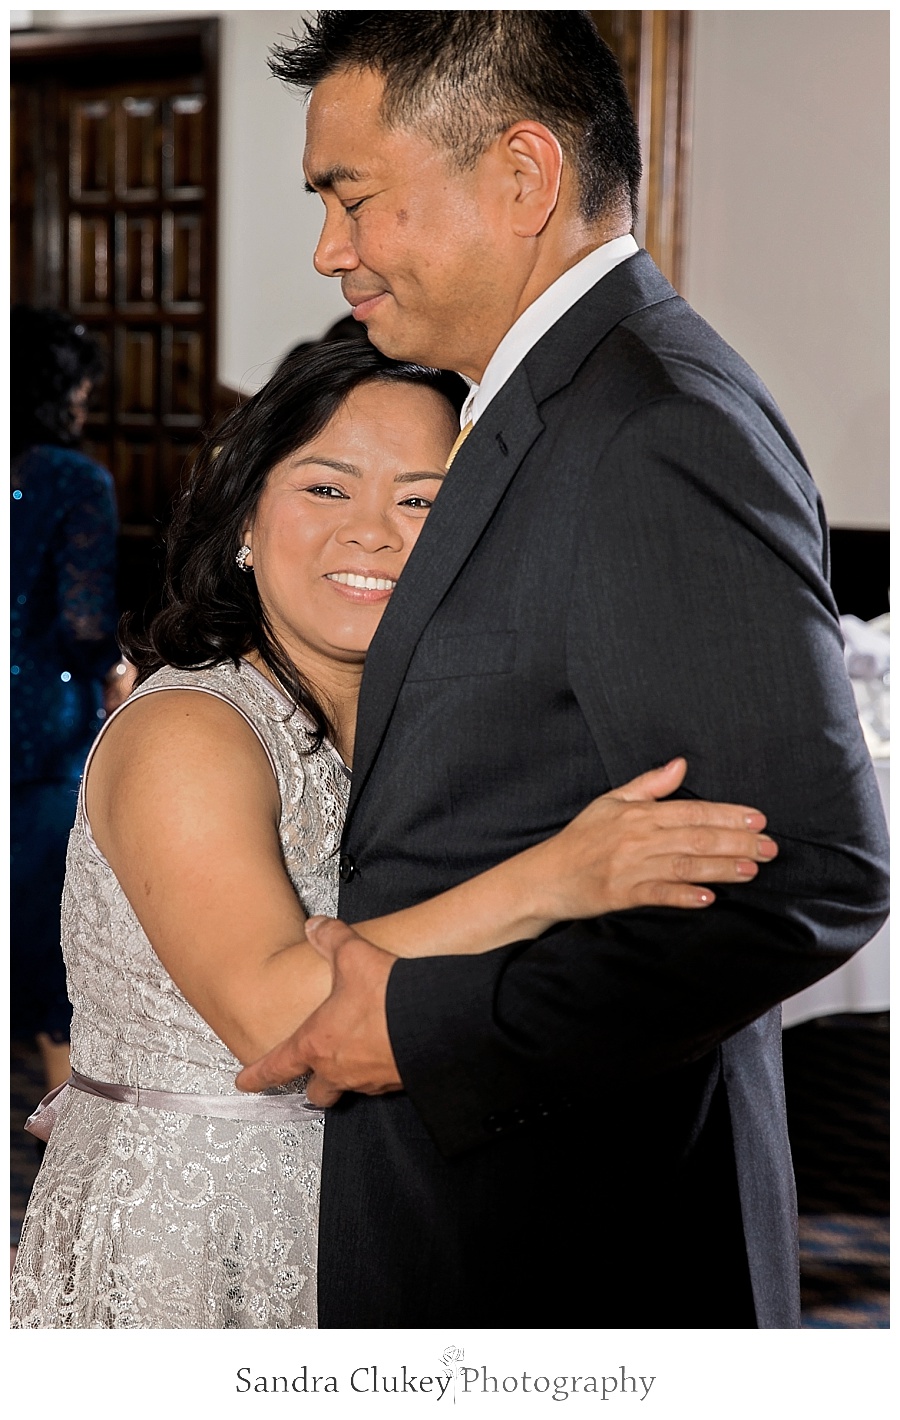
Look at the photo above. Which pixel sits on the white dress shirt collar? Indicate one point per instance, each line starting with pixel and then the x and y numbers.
pixel 534 322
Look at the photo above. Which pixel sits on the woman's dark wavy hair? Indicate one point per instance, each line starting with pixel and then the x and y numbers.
pixel 50 356
pixel 211 611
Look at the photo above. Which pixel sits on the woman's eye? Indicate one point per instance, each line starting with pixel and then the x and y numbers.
pixel 417 502
pixel 326 490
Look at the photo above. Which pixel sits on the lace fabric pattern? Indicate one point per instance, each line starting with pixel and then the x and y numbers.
pixel 147 1218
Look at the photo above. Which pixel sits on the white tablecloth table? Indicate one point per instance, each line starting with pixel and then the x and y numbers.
pixel 863 984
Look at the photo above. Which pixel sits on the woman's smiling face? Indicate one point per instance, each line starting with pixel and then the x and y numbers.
pixel 339 516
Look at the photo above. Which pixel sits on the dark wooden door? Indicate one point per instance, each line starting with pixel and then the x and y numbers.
pixel 114 220
pixel 652 47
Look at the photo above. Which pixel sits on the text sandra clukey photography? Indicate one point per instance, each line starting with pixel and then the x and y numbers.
pixel 451 1379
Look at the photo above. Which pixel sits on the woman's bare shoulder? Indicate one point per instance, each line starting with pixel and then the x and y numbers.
pixel 177 748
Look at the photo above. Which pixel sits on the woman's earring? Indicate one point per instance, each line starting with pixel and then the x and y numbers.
pixel 241 559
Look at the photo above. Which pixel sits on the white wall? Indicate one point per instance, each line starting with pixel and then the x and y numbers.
pixel 269 295
pixel 788 228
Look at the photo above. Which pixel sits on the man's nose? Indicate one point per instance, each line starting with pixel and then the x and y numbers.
pixel 335 252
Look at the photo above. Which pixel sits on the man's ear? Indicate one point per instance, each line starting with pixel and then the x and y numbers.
pixel 534 159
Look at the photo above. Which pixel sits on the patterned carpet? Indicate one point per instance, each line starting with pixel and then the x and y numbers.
pixel 836 1079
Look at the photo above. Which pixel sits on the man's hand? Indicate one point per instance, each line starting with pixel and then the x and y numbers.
pixel 345 1043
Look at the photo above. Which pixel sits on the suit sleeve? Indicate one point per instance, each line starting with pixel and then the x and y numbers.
pixel 700 623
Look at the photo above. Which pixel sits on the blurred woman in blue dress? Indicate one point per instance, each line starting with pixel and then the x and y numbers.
pixel 67 672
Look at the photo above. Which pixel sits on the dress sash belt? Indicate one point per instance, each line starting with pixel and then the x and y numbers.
pixel 252 1109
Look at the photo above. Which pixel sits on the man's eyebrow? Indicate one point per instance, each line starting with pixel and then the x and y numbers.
pixel 326 180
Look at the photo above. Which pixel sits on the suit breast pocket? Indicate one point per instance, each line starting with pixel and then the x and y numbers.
pixel 477 654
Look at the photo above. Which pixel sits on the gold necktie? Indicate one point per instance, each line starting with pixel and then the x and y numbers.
pixel 464 433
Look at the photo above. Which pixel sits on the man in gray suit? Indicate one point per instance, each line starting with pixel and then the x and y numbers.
pixel 628 561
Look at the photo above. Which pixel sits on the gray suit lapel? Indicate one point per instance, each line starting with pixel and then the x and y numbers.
pixel 630 287
pixel 481 473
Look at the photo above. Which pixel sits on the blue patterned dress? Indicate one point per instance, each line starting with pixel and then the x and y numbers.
pixel 63 562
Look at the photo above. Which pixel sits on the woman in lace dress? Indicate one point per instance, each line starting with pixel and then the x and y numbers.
pixel 208 828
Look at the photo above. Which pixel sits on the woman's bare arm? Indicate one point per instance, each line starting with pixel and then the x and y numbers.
pixel 183 805
pixel 624 850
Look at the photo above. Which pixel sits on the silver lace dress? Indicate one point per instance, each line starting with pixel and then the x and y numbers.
pixel 153 1218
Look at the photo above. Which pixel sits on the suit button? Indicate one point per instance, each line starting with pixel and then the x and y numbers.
pixel 346 868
